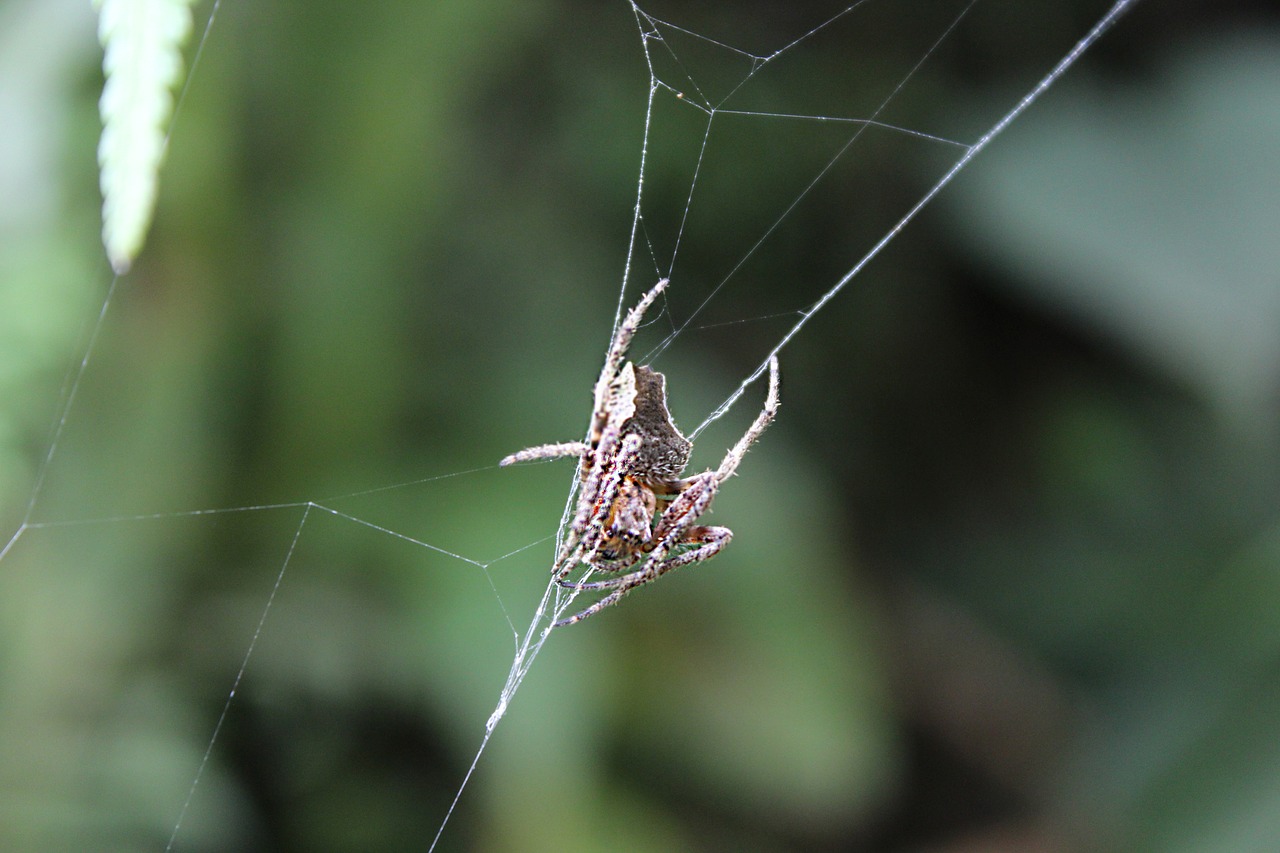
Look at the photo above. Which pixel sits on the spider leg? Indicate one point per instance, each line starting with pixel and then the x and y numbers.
pixel 710 541
pixel 546 451
pixel 598 494
pixel 601 456
pixel 758 426
pixel 674 528
pixel 571 551
pixel 611 598
pixel 627 581
pixel 626 331
pixel 625 529
pixel 613 361
pixel 608 583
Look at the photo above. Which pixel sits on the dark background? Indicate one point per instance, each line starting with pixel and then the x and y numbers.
pixel 1007 567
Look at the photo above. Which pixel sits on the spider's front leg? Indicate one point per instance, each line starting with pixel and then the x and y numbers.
pixel 675 528
pixel 694 498
pixel 710 541
pixel 598 494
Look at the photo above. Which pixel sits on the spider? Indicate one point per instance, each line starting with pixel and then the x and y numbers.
pixel 636 518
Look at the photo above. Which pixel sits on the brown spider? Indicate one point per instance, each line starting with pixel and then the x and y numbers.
pixel 635 514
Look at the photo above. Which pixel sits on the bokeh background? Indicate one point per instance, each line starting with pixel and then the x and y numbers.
pixel 1007 568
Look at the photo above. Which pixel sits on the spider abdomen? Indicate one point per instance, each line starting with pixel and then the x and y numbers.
pixel 664 451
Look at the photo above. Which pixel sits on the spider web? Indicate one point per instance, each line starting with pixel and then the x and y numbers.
pixel 684 86
pixel 704 92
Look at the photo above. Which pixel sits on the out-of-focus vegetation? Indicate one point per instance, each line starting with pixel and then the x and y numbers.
pixel 1007 569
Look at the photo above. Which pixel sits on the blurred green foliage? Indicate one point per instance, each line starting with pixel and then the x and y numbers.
pixel 1007 569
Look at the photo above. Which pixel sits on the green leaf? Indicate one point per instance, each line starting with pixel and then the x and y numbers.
pixel 142 61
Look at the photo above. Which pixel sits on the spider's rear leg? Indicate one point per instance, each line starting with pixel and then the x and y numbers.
pixel 712 539
pixel 674 528
pixel 612 598
pixel 688 506
pixel 709 541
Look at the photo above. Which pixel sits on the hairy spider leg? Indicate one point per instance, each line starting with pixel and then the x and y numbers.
pixel 598 494
pixel 713 540
pixel 710 541
pixel 676 527
pixel 603 505
pixel 545 451
pixel 770 411
pixel 699 494
pixel 621 405
pixel 613 360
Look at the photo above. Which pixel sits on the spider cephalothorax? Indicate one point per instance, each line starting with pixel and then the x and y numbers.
pixel 635 514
